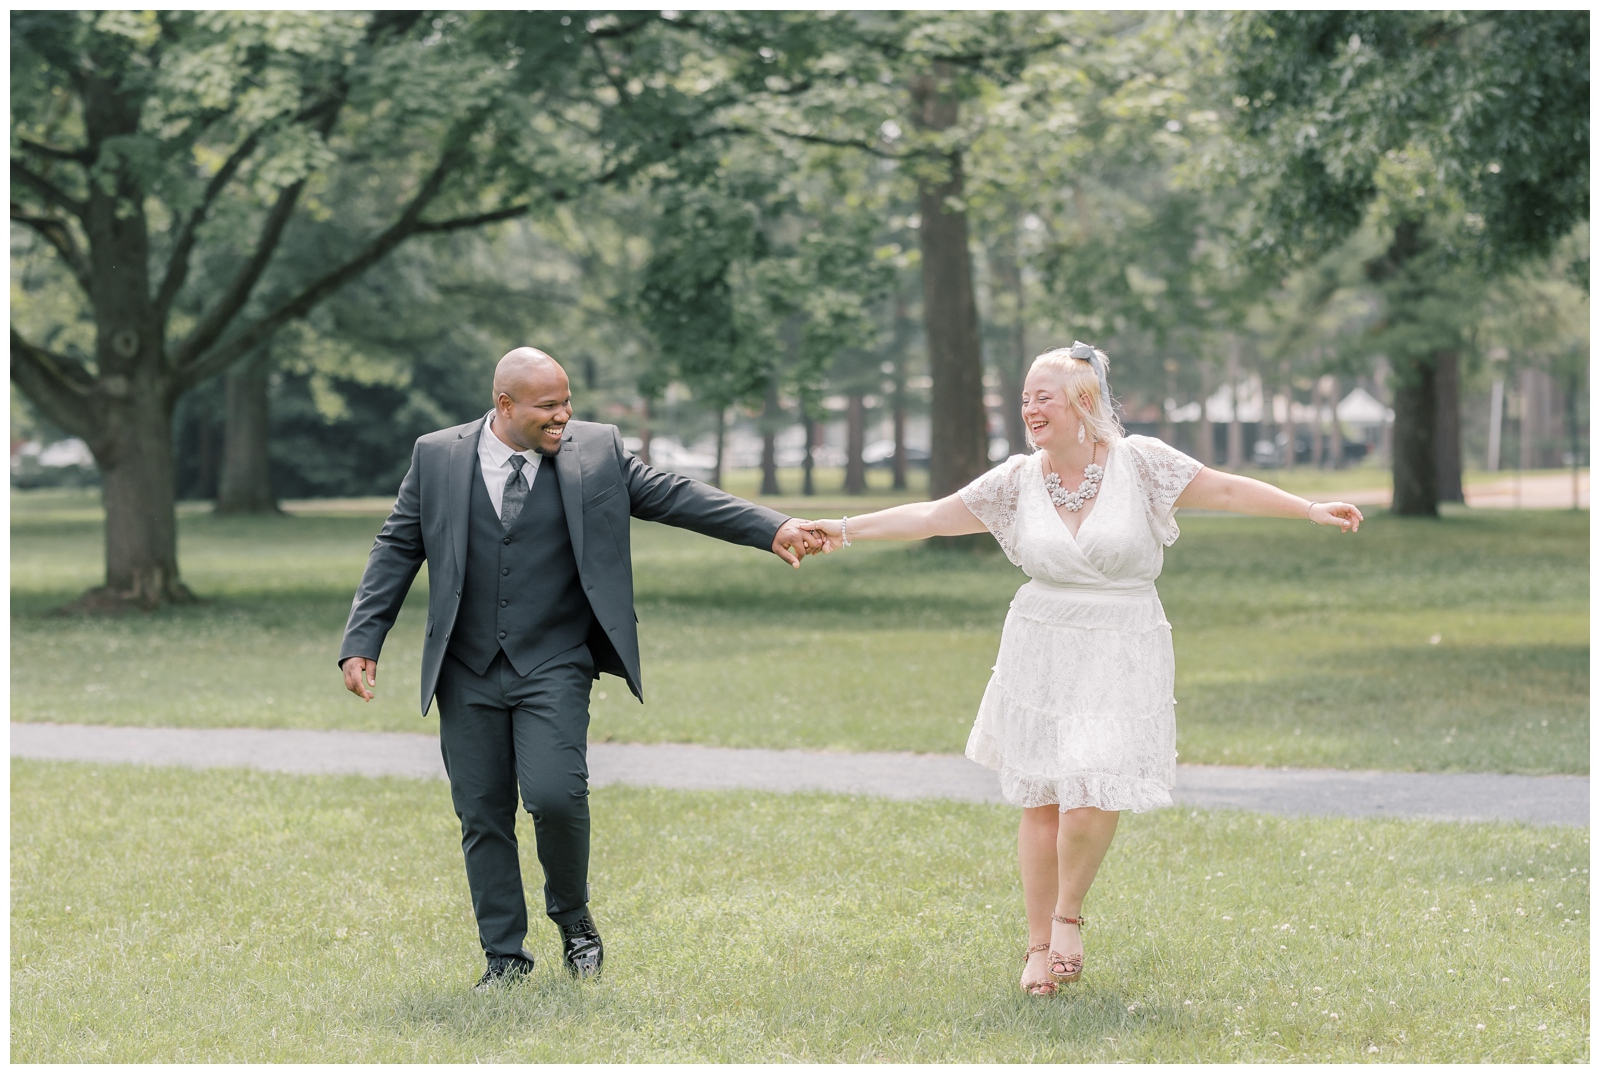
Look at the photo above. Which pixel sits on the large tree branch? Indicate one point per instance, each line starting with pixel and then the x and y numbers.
pixel 178 263
pixel 199 364
pixel 56 232
pixel 461 223
pixel 77 156
pixel 216 320
pixel 324 113
pixel 842 143
pixel 46 189
pixel 57 385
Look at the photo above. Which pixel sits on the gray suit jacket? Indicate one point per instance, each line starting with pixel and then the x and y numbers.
pixel 601 486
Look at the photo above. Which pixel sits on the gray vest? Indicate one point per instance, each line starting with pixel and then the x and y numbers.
pixel 521 593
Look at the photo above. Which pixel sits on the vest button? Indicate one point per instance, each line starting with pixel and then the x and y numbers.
pixel 502 634
pixel 505 540
pixel 502 604
pixel 503 570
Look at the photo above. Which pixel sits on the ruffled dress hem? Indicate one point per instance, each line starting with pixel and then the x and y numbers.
pixel 1111 791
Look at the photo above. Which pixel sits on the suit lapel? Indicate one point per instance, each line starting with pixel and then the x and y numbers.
pixel 463 470
pixel 569 468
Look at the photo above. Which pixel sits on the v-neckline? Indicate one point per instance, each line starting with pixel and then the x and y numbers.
pixel 1091 507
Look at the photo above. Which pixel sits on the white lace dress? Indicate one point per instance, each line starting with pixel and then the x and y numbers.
pixel 1079 711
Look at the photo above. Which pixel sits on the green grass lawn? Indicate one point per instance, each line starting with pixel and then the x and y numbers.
pixel 163 915
pixel 1457 644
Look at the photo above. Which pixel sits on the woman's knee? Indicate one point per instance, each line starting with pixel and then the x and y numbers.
pixel 1041 819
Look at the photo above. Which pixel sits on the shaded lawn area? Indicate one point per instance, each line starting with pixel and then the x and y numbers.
pixel 163 915
pixel 1457 644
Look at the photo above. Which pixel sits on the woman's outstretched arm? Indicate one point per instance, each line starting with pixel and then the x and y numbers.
pixel 948 517
pixel 1212 490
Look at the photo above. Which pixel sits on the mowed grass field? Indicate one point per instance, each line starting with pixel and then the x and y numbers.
pixel 1452 645
pixel 175 916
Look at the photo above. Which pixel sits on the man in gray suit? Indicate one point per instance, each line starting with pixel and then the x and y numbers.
pixel 522 517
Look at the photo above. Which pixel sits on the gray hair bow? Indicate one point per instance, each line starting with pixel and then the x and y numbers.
pixel 1086 353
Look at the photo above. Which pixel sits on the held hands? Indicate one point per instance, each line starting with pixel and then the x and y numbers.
pixel 797 539
pixel 360 676
pixel 829 531
pixel 1346 516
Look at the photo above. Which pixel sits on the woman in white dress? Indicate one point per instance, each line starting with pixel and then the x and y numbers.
pixel 1078 716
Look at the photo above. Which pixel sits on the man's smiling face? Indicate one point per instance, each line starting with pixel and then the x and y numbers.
pixel 533 401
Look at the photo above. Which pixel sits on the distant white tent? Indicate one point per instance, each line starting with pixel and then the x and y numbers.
pixel 1360 408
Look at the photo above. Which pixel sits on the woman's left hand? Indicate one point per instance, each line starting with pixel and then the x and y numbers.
pixel 831 530
pixel 1347 516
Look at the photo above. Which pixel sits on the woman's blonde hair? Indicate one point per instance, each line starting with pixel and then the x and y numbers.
pixel 1079 381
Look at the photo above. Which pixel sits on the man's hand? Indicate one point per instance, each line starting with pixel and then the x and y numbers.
pixel 795 540
pixel 360 676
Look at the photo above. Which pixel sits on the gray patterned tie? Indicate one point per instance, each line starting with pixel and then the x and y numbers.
pixel 515 492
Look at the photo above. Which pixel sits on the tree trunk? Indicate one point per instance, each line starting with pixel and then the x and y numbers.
pixel 1268 424
pixel 808 484
pixel 1206 449
pixel 902 332
pixel 137 481
pixel 1574 432
pixel 209 476
pixel 1317 438
pixel 1169 400
pixel 644 431
pixel 1235 423
pixel 1416 471
pixel 1528 407
pixel 1447 426
pixel 1290 429
pixel 722 439
pixel 1416 406
pixel 246 485
pixel 1008 279
pixel 958 452
pixel 855 469
pixel 1497 406
pixel 771 418
pixel 1335 433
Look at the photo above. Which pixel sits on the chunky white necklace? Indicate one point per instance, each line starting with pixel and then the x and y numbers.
pixel 1074 500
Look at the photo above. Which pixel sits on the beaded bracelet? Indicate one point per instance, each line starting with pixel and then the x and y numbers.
pixel 844 531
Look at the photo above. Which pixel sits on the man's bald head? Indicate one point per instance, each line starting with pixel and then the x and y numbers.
pixel 520 368
pixel 532 401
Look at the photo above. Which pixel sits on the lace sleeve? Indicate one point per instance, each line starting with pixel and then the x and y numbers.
pixel 1164 472
pixel 993 499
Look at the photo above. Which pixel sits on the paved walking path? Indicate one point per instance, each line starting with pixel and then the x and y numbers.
pixel 905 776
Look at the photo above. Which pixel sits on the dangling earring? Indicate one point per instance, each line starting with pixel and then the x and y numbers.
pixel 1080 432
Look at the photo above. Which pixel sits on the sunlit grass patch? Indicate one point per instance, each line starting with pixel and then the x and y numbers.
pixel 169 915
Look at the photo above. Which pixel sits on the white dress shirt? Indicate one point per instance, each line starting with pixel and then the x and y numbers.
pixel 494 455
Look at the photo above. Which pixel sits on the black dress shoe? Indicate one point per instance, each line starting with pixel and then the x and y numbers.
pixel 505 969
pixel 581 948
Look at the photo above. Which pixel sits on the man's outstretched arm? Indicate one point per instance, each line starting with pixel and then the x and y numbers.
pixel 397 554
pixel 658 496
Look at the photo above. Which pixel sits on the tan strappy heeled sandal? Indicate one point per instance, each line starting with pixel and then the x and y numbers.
pixel 1067 968
pixel 1041 988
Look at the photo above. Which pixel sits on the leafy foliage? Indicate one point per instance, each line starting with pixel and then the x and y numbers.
pixel 1496 102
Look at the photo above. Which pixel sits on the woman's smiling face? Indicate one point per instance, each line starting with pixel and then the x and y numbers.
pixel 1045 410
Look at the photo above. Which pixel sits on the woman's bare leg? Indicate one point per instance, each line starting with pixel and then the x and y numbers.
pixel 1037 838
pixel 1082 838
